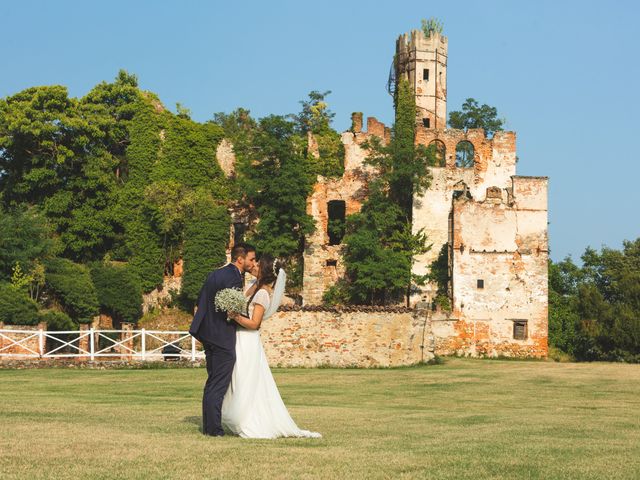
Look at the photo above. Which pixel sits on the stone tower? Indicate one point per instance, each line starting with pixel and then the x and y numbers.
pixel 422 61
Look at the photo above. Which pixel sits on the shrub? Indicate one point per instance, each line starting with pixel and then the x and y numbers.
pixel 16 308
pixel 57 320
pixel 337 294
pixel 71 285
pixel 119 291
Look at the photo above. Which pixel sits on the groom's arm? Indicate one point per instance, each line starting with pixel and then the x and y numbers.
pixel 206 292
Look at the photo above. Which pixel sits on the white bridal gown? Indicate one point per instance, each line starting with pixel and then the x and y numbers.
pixel 252 406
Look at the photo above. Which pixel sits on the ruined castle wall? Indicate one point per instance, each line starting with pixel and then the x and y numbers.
pixel 323 264
pixel 504 245
pixel 494 164
pixel 431 212
pixel 500 164
pixel 357 338
pixel 226 157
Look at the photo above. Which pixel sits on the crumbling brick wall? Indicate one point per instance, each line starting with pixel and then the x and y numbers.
pixel 323 264
pixel 494 164
pixel 363 337
pixel 24 340
pixel 499 257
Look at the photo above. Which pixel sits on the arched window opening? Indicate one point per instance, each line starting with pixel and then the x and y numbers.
pixel 464 154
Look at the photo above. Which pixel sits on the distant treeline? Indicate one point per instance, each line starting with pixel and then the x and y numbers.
pixel 594 310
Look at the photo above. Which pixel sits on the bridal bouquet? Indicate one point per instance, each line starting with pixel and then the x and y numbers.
pixel 230 300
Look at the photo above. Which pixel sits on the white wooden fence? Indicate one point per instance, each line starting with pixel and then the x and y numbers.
pixel 91 344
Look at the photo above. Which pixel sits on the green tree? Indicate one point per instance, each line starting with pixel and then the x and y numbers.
pixel 609 303
pixel 71 286
pixel 188 155
pixel 52 153
pixel 474 115
pixel 206 240
pixel 16 308
pixel 380 245
pixel 594 310
pixel 315 118
pixel 237 125
pixel 118 290
pixel 315 115
pixel 379 250
pixel 118 103
pixel 274 176
pixel 564 321
pixel 440 276
pixel 25 239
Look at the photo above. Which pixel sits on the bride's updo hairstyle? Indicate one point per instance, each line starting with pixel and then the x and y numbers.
pixel 268 273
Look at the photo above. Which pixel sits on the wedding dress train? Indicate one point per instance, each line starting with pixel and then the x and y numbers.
pixel 252 406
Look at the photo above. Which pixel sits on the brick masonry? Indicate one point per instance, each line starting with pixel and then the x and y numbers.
pixel 25 345
pixel 364 338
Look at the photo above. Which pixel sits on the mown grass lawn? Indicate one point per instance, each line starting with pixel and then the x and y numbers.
pixel 466 419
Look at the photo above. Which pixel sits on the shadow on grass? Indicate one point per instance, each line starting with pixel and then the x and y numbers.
pixel 194 421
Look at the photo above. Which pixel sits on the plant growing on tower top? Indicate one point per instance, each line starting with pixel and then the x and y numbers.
pixel 432 25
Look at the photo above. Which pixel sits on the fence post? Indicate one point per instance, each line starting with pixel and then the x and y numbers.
pixel 83 341
pixel 193 349
pixel 126 347
pixel 144 345
pixel 40 342
pixel 92 348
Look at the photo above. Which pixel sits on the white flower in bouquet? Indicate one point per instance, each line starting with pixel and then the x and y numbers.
pixel 230 300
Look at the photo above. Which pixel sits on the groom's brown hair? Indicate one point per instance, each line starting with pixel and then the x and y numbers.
pixel 241 250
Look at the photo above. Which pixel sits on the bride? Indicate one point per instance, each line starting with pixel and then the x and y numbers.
pixel 252 406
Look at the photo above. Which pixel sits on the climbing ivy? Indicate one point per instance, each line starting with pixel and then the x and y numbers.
pixel 379 242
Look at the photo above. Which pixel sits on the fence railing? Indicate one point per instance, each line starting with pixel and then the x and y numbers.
pixel 92 344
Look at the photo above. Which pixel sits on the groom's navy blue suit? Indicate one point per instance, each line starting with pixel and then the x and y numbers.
pixel 219 339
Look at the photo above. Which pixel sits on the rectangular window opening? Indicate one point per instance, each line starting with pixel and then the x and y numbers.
pixel 520 329
pixel 425 74
pixel 336 210
pixel 480 283
pixel 332 263
pixel 426 123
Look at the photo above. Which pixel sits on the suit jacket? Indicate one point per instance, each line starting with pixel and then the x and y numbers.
pixel 211 326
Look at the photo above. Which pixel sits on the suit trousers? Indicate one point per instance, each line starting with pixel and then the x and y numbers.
pixel 220 363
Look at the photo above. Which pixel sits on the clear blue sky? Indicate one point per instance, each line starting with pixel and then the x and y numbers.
pixel 563 73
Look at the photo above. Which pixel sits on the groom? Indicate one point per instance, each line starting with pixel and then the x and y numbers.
pixel 219 335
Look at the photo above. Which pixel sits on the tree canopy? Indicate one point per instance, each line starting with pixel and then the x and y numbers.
pixel 474 115
pixel 594 310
